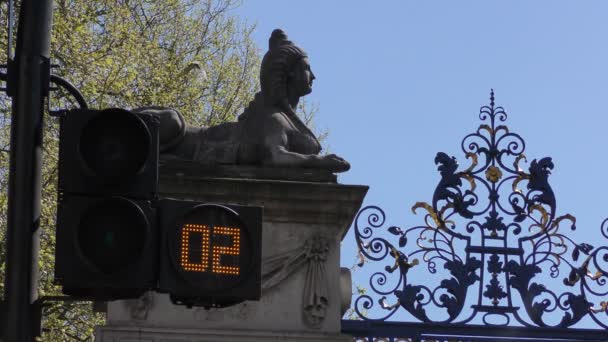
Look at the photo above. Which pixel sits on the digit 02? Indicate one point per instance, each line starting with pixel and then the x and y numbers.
pixel 217 251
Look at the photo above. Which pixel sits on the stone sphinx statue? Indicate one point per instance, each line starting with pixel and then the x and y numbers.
pixel 267 133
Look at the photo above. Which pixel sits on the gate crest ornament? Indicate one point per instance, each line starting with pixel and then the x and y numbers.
pixel 499 254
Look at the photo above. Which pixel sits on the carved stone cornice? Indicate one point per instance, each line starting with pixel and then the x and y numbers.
pixel 283 201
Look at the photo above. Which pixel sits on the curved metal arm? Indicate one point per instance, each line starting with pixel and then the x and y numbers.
pixel 70 88
pixel 65 84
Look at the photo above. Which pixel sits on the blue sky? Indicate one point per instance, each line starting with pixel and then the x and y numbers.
pixel 399 81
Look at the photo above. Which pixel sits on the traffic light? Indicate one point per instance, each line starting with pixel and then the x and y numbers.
pixel 107 238
pixel 116 239
pixel 109 152
pixel 210 254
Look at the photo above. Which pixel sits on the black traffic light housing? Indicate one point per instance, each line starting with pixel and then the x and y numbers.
pixel 107 247
pixel 109 152
pixel 107 237
pixel 210 253
pixel 116 239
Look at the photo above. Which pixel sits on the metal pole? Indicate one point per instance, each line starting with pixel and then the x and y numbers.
pixel 31 84
pixel 10 23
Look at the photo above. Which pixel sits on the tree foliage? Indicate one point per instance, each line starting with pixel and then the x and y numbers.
pixel 178 53
pixel 195 56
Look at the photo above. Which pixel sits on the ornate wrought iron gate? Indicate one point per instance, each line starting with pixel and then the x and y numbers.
pixel 509 271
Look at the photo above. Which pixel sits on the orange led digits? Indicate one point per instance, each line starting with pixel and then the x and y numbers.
pixel 218 251
pixel 184 258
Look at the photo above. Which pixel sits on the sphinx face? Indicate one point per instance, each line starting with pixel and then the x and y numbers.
pixel 301 78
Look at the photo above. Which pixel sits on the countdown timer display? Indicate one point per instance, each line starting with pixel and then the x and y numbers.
pixel 196 249
pixel 214 251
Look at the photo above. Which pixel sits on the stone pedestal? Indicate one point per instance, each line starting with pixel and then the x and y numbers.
pixel 304 290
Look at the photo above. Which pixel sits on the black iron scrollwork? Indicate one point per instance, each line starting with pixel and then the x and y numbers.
pixel 503 249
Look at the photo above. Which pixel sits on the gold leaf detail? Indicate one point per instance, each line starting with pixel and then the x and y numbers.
pixel 603 308
pixel 386 306
pixel 473 157
pixel 469 178
pixel 361 258
pixel 486 127
pixel 517 160
pixel 430 210
pixel 493 174
pixel 502 127
pixel 544 215
pixel 595 276
pixel 558 220
pixel 519 178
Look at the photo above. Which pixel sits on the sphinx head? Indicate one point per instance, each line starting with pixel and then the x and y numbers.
pixel 285 74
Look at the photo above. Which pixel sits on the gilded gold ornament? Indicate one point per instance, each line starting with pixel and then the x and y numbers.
pixel 493 174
